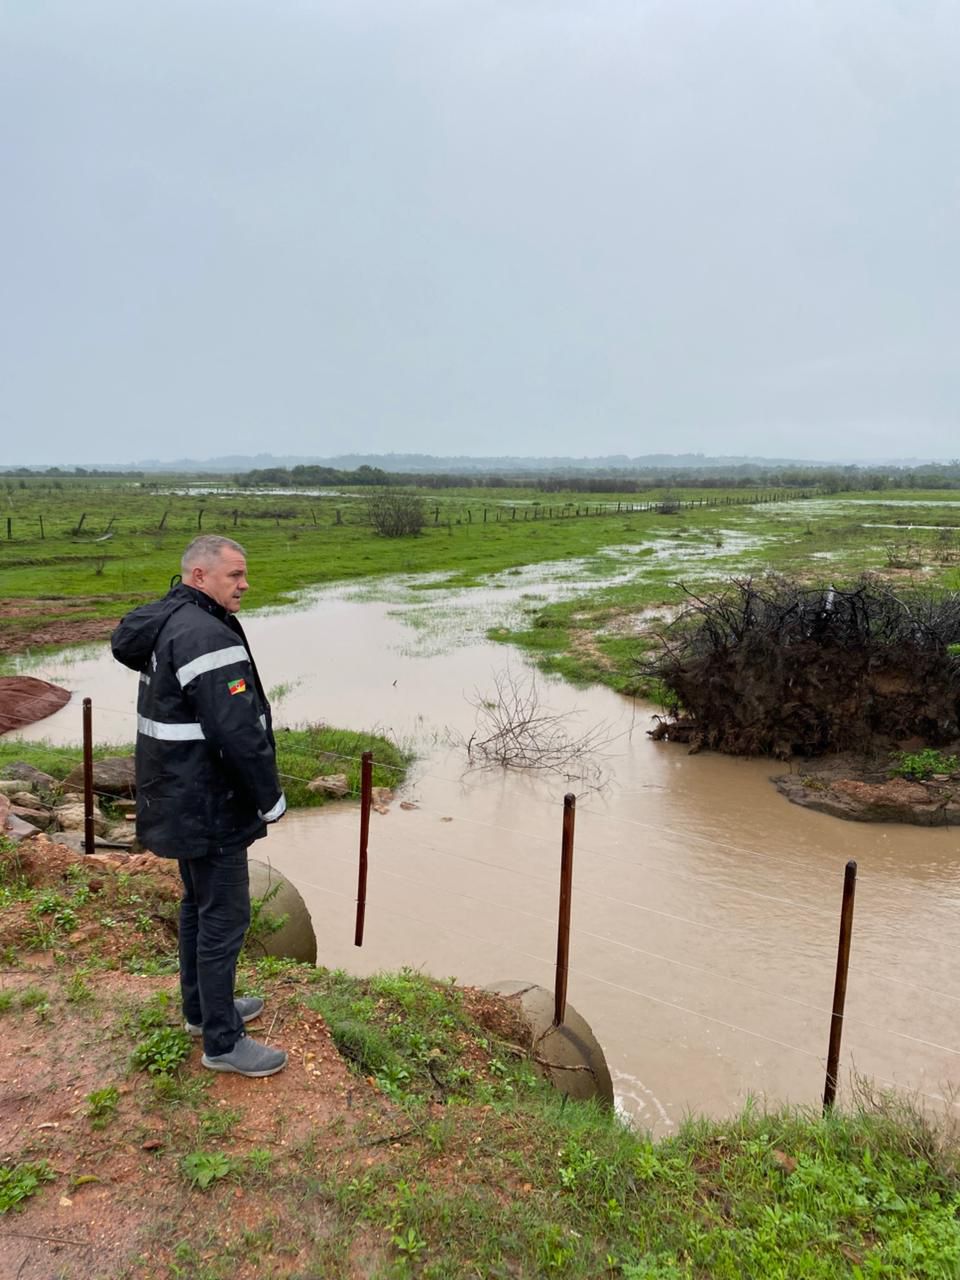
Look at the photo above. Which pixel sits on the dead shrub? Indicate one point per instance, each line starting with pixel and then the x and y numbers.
pixel 776 668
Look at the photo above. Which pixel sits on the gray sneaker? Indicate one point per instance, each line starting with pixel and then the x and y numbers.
pixel 248 1058
pixel 248 1007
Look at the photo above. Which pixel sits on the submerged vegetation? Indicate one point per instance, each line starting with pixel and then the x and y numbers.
pixel 774 667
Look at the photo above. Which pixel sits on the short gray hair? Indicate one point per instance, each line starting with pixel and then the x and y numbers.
pixel 206 548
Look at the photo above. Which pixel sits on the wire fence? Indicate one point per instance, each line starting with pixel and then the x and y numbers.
pixel 537 916
pixel 297 513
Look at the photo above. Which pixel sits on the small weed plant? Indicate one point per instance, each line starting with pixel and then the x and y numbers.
pixel 162 1052
pixel 219 1121
pixel 263 923
pixel 102 1106
pixel 920 765
pixel 203 1168
pixel 155 1013
pixel 56 908
pixel 77 989
pixel 18 1182
pixel 34 998
pixel 259 1162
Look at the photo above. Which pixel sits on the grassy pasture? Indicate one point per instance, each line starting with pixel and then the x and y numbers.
pixel 107 545
pixel 595 637
pixel 112 544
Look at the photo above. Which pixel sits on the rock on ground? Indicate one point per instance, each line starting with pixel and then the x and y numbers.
pixel 112 776
pixel 925 804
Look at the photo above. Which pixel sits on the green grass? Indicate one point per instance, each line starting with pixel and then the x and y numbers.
pixel 102 1106
pixel 294 542
pixel 18 1182
pixel 302 754
pixel 548 1189
pixel 545 1187
pixel 492 1173
pixel 919 765
pixel 410 1034
pixel 598 636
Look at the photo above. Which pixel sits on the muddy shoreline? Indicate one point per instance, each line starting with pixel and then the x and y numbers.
pixel 862 789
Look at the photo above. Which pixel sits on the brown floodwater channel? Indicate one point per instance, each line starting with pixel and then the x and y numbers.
pixel 705 907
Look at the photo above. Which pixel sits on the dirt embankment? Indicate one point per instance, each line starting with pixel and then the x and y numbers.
pixel 27 624
pixel 120 1199
pixel 864 790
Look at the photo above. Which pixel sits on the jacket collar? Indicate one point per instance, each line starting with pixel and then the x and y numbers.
pixel 208 604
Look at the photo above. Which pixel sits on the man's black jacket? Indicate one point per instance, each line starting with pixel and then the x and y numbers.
pixel 206 758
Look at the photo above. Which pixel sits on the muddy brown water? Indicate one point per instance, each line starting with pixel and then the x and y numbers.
pixel 705 909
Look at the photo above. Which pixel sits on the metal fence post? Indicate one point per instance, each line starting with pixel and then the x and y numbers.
pixel 366 799
pixel 88 831
pixel 840 985
pixel 563 919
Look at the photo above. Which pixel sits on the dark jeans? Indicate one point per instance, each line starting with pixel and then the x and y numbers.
pixel 214 915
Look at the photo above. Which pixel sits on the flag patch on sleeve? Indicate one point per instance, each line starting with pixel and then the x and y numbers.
pixel 237 686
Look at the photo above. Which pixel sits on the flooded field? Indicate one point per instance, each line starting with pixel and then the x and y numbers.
pixel 705 910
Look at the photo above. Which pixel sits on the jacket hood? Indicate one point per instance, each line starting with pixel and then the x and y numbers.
pixel 135 638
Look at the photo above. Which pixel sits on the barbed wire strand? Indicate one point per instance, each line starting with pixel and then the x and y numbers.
pixel 902 982
pixel 864 973
pixel 712 842
pixel 780 996
pixel 549 880
pixel 719 843
pixel 635 864
pixel 545 880
pixel 700 839
pixel 588 933
pixel 934 942
pixel 487 942
pixel 600 853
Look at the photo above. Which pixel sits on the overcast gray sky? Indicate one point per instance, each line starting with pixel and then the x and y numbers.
pixel 480 227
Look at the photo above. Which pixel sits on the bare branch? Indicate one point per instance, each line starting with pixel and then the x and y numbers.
pixel 514 730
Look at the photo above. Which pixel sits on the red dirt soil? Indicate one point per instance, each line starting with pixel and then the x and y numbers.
pixel 21 630
pixel 119 1205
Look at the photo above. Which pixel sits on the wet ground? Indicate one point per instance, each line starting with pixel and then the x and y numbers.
pixel 706 907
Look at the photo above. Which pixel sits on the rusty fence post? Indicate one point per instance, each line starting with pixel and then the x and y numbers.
pixel 563 918
pixel 840 985
pixel 366 799
pixel 88 831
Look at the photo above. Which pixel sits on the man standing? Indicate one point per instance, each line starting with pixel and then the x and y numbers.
pixel 206 782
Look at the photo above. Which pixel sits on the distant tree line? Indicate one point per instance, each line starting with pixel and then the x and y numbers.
pixel 70 473
pixel 740 476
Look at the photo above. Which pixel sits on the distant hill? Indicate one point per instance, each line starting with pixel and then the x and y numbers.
pixel 433 463
pixel 461 464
